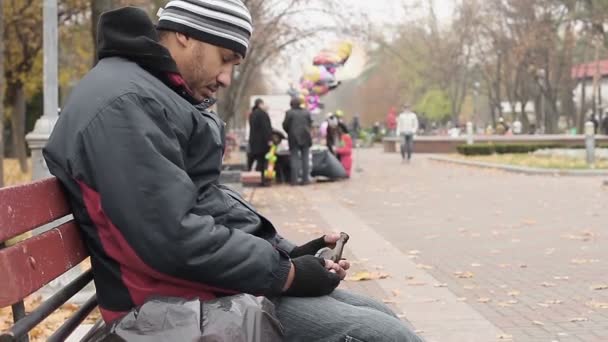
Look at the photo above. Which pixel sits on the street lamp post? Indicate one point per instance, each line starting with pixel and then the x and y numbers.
pixel 44 125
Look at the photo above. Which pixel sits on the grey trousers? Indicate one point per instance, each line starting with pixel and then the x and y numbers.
pixel 407 146
pixel 340 317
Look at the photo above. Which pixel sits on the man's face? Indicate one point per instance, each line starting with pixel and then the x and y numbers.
pixel 207 68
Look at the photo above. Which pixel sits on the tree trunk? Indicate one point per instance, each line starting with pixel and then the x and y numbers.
pixel 525 121
pixel 18 126
pixel 2 88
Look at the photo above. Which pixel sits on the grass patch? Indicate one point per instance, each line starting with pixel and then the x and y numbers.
pixel 529 160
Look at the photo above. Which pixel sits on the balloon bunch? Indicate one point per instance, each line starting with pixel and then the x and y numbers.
pixel 320 78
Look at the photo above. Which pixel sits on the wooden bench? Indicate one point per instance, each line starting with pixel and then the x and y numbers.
pixel 32 263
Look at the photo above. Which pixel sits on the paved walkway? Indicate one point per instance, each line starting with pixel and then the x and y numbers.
pixel 473 255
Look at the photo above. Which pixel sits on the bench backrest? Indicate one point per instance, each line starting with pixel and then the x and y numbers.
pixel 29 264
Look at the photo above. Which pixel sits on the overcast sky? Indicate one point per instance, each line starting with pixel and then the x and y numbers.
pixel 380 12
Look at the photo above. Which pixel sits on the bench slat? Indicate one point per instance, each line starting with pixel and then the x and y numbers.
pixel 25 207
pixel 31 264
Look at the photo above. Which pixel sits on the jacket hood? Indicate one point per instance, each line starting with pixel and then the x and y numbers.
pixel 128 32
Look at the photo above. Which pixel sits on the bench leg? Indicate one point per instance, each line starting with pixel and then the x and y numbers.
pixel 19 313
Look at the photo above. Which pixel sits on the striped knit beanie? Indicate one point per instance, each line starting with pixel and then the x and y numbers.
pixel 224 23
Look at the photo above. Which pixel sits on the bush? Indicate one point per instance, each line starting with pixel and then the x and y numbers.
pixel 476 149
pixel 487 149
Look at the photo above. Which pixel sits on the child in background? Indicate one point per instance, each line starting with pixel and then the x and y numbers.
pixel 345 149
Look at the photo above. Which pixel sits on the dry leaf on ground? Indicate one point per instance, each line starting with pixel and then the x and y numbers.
pixel 597 305
pixel 514 293
pixel 579 319
pixel 599 287
pixel 484 300
pixel 547 284
pixel 538 323
pixel 440 285
pixel 561 278
pixel 424 267
pixel 464 275
pixel 416 283
pixel 364 275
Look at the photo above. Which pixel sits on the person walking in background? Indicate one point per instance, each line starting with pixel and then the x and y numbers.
pixel 407 126
pixel 391 122
pixel 345 149
pixel 298 125
pixel 260 136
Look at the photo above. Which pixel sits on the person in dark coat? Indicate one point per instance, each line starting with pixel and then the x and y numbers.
pixel 260 136
pixel 298 125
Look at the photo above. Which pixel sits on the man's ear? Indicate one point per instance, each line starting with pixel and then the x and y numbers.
pixel 182 39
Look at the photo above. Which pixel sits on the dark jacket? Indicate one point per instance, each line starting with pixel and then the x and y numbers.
pixel 140 163
pixel 298 125
pixel 260 131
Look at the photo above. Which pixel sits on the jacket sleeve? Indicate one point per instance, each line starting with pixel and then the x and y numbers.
pixel 267 128
pixel 286 122
pixel 134 155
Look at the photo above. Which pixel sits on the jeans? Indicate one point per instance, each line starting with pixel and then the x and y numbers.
pixel 340 317
pixel 407 147
pixel 299 163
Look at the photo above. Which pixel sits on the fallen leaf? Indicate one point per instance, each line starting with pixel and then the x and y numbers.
pixel 484 300
pixel 429 300
pixel 561 278
pixel 416 283
pixel 475 265
pixel 538 323
pixel 364 275
pixel 579 319
pixel 424 267
pixel 505 337
pixel 553 301
pixel 597 305
pixel 599 287
pixel 464 275
pixel 513 293
pixel 547 284
pixel 440 285
pixel 414 252
pixel 401 316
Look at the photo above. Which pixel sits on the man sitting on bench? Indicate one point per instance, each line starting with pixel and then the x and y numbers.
pixel 140 154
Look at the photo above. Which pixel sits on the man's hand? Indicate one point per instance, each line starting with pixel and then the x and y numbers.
pixel 312 247
pixel 312 277
pixel 339 268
